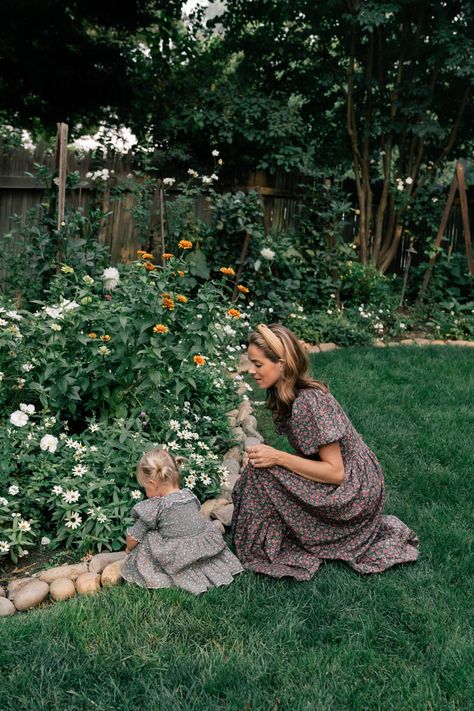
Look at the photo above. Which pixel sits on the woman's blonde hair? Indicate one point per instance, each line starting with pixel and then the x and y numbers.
pixel 159 465
pixel 278 343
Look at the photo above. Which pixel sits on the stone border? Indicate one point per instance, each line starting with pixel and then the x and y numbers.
pixel 379 343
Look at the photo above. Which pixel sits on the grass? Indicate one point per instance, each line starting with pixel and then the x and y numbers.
pixel 400 640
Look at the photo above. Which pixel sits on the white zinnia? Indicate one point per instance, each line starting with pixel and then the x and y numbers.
pixel 111 278
pixel 267 253
pixel 169 181
pixel 19 418
pixel 49 443
pixel 215 153
pixel 24 526
pixel 4 547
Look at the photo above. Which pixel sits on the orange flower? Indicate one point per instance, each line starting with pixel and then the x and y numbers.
pixel 92 335
pixel 141 252
pixel 234 313
pixel 150 266
pixel 199 360
pixel 146 255
pixel 105 337
pixel 227 270
pixel 181 274
pixel 160 328
pixel 182 299
pixel 168 303
pixel 167 255
pixel 185 244
pixel 243 288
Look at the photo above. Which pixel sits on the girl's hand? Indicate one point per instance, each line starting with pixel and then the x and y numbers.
pixel 262 456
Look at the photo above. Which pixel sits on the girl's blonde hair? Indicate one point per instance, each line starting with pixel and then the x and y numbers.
pixel 278 343
pixel 159 465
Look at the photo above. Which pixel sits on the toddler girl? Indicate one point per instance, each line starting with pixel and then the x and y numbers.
pixel 170 543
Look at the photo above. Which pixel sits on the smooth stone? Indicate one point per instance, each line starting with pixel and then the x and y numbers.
pixel 422 341
pixel 63 571
pixel 232 466
pixel 100 561
pixel 111 575
pixel 255 434
pixel 224 514
pixel 232 453
pixel 31 594
pixel 238 434
pixel 251 442
pixel 15 585
pixel 227 489
pixel 243 388
pixel 88 583
pixel 378 343
pixel 233 413
pixel 325 347
pixel 312 349
pixel 232 421
pixel 469 344
pixel 438 342
pixel 2 592
pixel 218 525
pixel 209 506
pixel 407 342
pixel 7 608
pixel 245 409
pixel 62 589
pixel 249 423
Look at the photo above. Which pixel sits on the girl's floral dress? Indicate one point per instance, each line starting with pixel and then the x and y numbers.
pixel 285 525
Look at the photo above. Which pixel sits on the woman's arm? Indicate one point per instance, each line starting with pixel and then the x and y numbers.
pixel 330 470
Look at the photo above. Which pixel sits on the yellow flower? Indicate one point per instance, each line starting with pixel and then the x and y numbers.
pixel 168 302
pixel 234 313
pixel 243 288
pixel 167 255
pixel 92 335
pixel 160 328
pixel 185 244
pixel 150 266
pixel 182 299
pixel 227 270
pixel 199 360
pixel 105 337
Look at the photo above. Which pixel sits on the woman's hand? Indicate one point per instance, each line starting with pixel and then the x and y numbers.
pixel 262 456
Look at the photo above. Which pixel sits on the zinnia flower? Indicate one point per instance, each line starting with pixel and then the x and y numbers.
pixel 185 244
pixel 267 253
pixel 182 299
pixel 160 328
pixel 168 303
pixel 227 270
pixel 151 267
pixel 146 255
pixel 234 313
pixel 141 252
pixel 167 255
pixel 111 278
pixel 181 273
pixel 92 335
pixel 199 359
pixel 243 288
pixel 105 337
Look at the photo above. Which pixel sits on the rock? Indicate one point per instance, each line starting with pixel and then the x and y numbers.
pixel 238 434
pixel 209 506
pixel 438 342
pixel 251 442
pixel 218 525
pixel 407 342
pixel 224 514
pixel 233 453
pixel 232 421
pixel 244 364
pixel 245 409
pixel 15 585
pixel 422 341
pixel 249 423
pixel 62 589
pixel 31 594
pixel 2 593
pixel 232 413
pixel 312 349
pixel 325 347
pixel 111 575
pixel 8 608
pixel 63 571
pixel 232 466
pixel 100 561
pixel 88 583
pixel 254 434
pixel 392 344
pixel 378 343
pixel 469 344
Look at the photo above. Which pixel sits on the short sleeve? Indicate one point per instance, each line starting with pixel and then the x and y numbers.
pixel 145 514
pixel 317 419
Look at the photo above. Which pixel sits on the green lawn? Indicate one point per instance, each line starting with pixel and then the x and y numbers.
pixel 401 640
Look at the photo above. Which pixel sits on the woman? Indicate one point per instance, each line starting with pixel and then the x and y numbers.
pixel 292 511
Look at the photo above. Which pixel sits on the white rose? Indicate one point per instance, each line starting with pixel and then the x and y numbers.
pixel 267 253
pixel 111 278
pixel 49 443
pixel 29 409
pixel 13 490
pixel 19 418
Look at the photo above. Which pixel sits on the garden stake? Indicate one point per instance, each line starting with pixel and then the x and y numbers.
pixel 61 163
pixel 240 268
pixel 411 250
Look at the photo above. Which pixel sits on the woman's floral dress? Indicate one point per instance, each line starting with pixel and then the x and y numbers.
pixel 285 525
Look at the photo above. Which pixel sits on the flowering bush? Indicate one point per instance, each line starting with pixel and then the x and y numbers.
pixel 105 370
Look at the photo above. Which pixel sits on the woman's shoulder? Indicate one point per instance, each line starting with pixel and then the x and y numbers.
pixel 306 396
